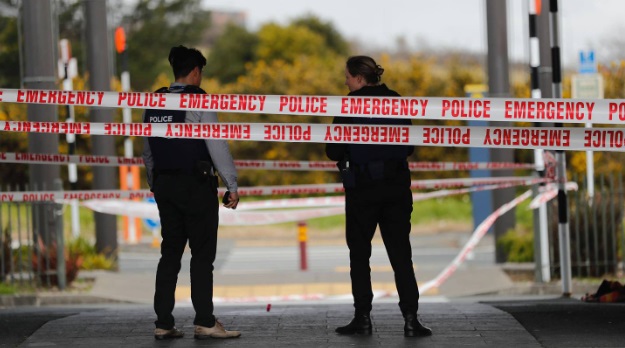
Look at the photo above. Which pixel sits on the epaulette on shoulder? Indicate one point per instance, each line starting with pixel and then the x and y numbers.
pixel 162 90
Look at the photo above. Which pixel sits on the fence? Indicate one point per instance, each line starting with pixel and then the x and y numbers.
pixel 31 244
pixel 596 229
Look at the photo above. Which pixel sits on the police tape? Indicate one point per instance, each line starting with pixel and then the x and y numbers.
pixel 549 193
pixel 437 108
pixel 268 212
pixel 483 227
pixel 95 160
pixel 336 201
pixel 227 217
pixel 477 235
pixel 37 196
pixel 555 138
pixel 53 158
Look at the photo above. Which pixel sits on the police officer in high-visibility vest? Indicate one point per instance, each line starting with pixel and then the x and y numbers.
pixel 377 192
pixel 182 175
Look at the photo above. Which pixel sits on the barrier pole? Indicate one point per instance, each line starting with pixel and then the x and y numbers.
pixel 563 213
pixel 302 230
pixel 541 233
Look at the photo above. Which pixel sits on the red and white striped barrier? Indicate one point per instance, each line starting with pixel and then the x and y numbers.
pixel 62 196
pixel 114 161
pixel 53 158
pixel 477 235
pixel 550 192
pixel 435 108
pixel 556 138
pixel 35 196
pixel 272 211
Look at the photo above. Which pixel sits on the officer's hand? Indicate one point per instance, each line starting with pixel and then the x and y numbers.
pixel 233 201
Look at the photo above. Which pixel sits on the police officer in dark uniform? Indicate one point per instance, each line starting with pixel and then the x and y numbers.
pixel 181 173
pixel 377 192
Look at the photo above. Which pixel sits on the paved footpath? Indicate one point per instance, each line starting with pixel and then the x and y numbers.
pixel 550 322
pixel 289 325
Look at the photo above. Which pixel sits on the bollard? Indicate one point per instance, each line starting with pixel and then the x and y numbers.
pixel 302 236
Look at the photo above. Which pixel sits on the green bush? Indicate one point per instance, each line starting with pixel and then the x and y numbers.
pixel 91 259
pixel 518 246
pixel 97 261
pixel 7 289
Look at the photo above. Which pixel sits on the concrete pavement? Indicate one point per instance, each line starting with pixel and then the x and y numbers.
pixel 548 322
pixel 252 273
pixel 470 309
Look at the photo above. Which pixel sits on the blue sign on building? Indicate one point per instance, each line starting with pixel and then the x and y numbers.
pixel 587 63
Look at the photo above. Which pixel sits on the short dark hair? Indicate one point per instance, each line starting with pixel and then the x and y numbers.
pixel 366 67
pixel 183 60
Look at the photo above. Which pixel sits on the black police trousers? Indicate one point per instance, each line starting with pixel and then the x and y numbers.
pixel 189 211
pixel 389 205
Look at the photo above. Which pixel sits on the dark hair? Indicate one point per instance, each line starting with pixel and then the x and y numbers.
pixel 183 60
pixel 366 67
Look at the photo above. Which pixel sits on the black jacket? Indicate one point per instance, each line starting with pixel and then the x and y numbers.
pixel 366 153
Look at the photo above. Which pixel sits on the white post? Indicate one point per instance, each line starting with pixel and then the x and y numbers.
pixel 67 70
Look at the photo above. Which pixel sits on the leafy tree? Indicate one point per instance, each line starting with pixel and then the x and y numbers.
pixel 230 54
pixel 289 43
pixel 332 38
pixel 9 50
pixel 153 27
pixel 71 23
pixel 305 76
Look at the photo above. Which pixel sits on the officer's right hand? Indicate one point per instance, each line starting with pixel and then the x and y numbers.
pixel 233 201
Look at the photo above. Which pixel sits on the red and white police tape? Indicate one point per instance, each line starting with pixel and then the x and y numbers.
pixel 549 193
pixel 270 211
pixel 35 196
pixel 555 138
pixel 113 161
pixel 610 111
pixel 477 235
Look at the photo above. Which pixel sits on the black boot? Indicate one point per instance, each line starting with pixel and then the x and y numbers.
pixel 361 324
pixel 414 328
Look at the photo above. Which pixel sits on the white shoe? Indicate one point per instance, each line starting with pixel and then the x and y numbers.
pixel 217 331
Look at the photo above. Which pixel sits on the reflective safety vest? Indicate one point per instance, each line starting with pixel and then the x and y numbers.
pixel 175 153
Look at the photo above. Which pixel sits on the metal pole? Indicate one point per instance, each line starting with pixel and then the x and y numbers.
pixel 131 224
pixel 544 46
pixel 563 213
pixel 100 77
pixel 499 86
pixel 40 73
pixel 541 238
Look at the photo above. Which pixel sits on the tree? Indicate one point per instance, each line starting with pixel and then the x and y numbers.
pixel 9 49
pixel 332 38
pixel 153 28
pixel 289 43
pixel 232 51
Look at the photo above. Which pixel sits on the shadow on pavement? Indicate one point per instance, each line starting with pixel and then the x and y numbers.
pixel 569 322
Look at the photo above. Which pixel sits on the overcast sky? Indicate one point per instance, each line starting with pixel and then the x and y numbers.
pixel 585 24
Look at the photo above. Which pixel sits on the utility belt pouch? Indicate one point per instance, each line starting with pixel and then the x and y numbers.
pixel 203 169
pixel 348 176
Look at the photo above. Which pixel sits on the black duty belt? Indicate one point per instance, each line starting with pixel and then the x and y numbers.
pixel 173 171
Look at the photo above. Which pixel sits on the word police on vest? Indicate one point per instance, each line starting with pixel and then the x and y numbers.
pixel 161 119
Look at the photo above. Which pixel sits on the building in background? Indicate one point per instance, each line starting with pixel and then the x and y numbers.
pixel 220 19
